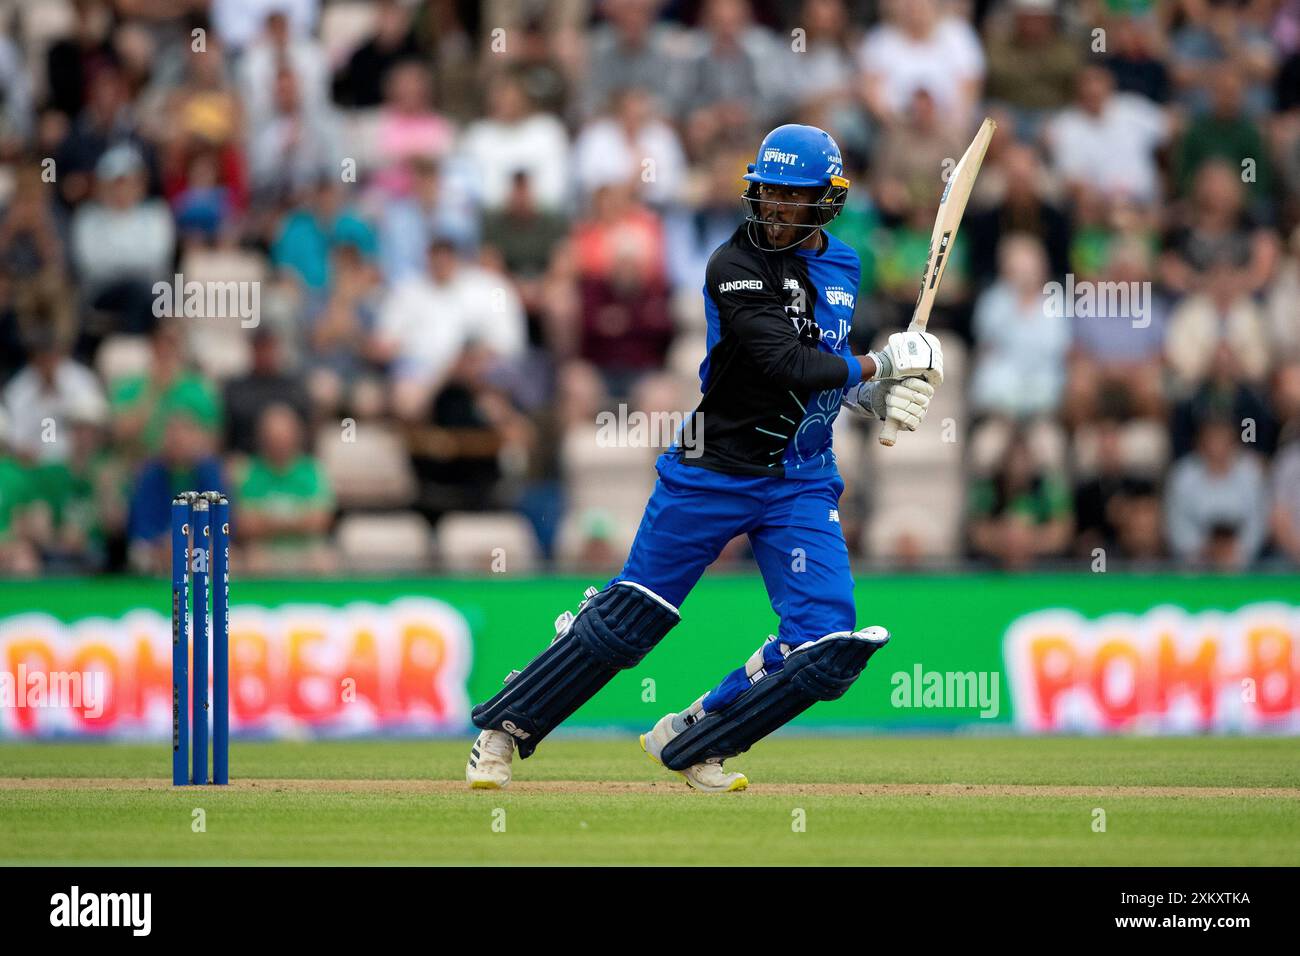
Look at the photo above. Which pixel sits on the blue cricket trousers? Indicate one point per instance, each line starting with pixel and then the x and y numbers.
pixel 793 527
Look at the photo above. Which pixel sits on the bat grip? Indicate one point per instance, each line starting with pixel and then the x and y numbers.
pixel 889 433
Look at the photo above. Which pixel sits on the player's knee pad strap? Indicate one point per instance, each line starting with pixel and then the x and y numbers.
pixel 819 670
pixel 613 630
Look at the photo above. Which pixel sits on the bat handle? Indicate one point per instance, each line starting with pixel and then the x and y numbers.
pixel 889 433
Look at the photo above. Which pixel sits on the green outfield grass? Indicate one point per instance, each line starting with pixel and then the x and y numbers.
pixel 864 800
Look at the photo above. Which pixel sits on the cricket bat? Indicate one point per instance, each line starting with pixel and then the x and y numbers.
pixel 952 204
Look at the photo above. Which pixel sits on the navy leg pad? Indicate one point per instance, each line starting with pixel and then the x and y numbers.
pixel 819 670
pixel 613 630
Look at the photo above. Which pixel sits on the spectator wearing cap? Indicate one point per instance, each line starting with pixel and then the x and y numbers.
pixel 123 242
pixel 1217 502
pixel 184 462
pixel 426 321
pixel 38 398
pixel 284 502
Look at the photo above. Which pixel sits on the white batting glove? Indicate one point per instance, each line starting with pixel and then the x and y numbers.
pixel 905 401
pixel 909 354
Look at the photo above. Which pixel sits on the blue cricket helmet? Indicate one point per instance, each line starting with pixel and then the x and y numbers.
pixel 798 157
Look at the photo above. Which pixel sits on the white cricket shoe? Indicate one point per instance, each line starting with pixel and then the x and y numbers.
pixel 489 761
pixel 708 776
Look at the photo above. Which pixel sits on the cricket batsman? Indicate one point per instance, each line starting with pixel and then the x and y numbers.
pixel 778 298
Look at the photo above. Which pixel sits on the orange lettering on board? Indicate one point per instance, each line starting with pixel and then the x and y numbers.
pixel 423 654
pixel 1054 662
pixel 153 678
pixel 1195 673
pixel 37 656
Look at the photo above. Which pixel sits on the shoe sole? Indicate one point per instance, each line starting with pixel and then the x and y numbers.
pixel 740 783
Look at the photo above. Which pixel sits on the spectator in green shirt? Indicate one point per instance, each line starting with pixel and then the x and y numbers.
pixel 1021 513
pixel 142 404
pixel 82 499
pixel 17 554
pixel 284 502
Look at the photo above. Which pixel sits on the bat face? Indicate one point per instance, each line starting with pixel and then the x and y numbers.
pixel 952 205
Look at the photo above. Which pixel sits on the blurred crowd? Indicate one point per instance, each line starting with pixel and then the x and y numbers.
pixel 461 230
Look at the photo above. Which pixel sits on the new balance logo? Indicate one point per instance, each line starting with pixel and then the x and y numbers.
pixel 509 727
pixel 835 515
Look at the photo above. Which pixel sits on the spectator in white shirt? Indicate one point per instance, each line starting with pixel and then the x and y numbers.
pixel 1021 345
pixel 919 47
pixel 1217 503
pixel 515 137
pixel 40 396
pixel 277 48
pixel 1107 141
pixel 427 320
pixel 631 144
pixel 122 243
pixel 240 22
